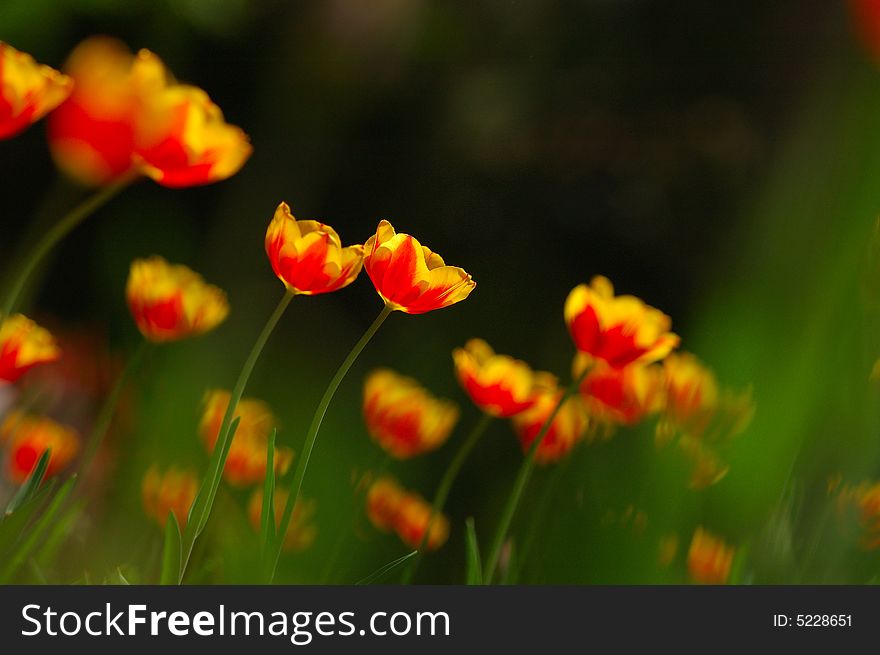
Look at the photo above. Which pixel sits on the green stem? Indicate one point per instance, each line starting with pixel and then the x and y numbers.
pixel 522 480
pixel 312 436
pixel 376 470
pixel 196 524
pixel 108 408
pixel 443 490
pixel 56 233
pixel 540 514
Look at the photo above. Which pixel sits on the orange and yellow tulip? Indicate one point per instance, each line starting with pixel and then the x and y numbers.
pixel 691 392
pixel 168 492
pixel 301 531
pixel 171 302
pixel 621 396
pixel 246 462
pixel 182 139
pixel 28 90
pixel 383 503
pixel 618 330
pixel 567 429
pixel 92 134
pixel 23 345
pixel 127 115
pixel 403 417
pixel 413 519
pixel 410 277
pixel 709 558
pixel 28 437
pixel 498 384
pixel 308 257
pixel 391 507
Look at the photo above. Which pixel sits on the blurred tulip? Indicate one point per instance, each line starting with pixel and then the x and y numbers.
pixel 383 503
pixel 23 345
pixel 246 462
pixel 413 519
pixel 619 330
pixel 308 257
pixel 497 384
pixel 691 392
pixel 171 302
pixel 709 558
pixel 28 90
pixel 170 492
pixel 403 417
pixel 568 427
pixel 301 531
pixel 866 21
pixel 127 115
pixel 28 437
pixel 622 396
pixel 409 276
pixel 92 135
pixel 390 507
pixel 182 139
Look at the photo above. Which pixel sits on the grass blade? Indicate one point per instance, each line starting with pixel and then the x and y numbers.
pixel 42 524
pixel 474 570
pixel 171 553
pixel 200 510
pixel 31 485
pixel 375 575
pixel 267 518
pixel 12 525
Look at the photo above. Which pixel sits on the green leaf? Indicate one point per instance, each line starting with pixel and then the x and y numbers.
pixel 23 551
pixel 31 485
pixel 267 518
pixel 474 575
pixel 57 534
pixel 375 575
pixel 13 525
pixel 171 553
pixel 204 500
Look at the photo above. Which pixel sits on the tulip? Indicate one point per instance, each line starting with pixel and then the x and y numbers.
pixel 28 437
pixel 171 302
pixel 414 519
pixel 709 558
pixel 168 492
pixel 622 396
pixel 499 385
pixel 567 428
pixel 383 503
pixel 301 531
pixel 246 460
pixel 28 90
pixel 92 135
pixel 619 330
pixel 127 116
pixel 23 345
pixel 403 417
pixel 308 257
pixel 182 139
pixel 410 277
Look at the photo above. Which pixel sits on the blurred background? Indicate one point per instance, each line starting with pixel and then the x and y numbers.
pixel 719 160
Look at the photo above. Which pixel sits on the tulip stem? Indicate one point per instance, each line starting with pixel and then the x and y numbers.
pixel 205 498
pixel 312 436
pixel 444 488
pixel 56 233
pixel 108 408
pixel 522 480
